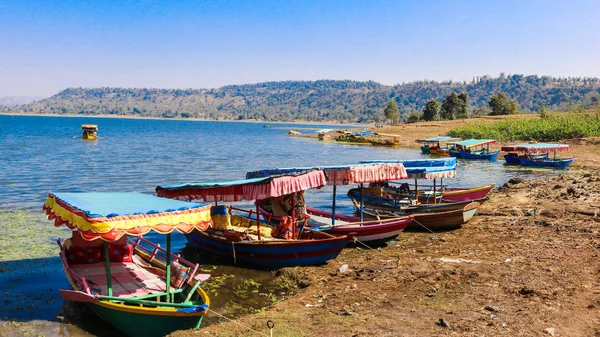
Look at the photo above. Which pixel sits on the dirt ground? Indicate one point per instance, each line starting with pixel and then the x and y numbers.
pixel 527 265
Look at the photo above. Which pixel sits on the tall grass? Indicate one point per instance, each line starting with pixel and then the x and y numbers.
pixel 551 127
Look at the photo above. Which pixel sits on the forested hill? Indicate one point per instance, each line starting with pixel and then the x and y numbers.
pixel 323 100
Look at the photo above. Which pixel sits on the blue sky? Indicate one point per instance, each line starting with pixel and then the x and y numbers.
pixel 46 46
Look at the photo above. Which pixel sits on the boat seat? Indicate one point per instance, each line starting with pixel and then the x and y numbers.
pixel 128 279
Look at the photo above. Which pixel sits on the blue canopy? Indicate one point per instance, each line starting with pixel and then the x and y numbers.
pixel 361 133
pixel 537 147
pixel 474 142
pixel 437 139
pixel 451 161
pixel 107 205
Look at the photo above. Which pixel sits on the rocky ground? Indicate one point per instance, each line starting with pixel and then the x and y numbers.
pixel 527 265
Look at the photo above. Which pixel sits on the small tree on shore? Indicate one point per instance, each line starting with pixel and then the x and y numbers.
pixel 391 112
pixel 463 108
pixel 431 111
pixel 414 117
pixel 502 105
pixel 450 106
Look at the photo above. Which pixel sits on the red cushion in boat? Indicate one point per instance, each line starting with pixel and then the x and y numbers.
pixel 81 255
pixel 120 253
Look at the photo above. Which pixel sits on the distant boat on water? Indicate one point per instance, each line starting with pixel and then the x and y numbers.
pixel 89 131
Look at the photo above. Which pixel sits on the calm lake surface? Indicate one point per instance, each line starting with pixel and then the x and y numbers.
pixel 42 154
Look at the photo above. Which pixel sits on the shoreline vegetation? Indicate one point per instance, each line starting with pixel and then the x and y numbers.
pixel 582 130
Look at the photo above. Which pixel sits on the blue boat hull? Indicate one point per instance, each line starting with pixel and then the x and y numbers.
pixel 478 156
pixel 553 163
pixel 271 254
pixel 513 158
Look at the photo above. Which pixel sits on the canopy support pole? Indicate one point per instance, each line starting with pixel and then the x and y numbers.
pixel 257 222
pixel 362 207
pixel 434 192
pixel 333 207
pixel 293 216
pixel 107 260
pixel 416 192
pixel 168 267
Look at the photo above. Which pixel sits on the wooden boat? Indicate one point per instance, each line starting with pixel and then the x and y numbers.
pixel 140 288
pixel 261 249
pixel 370 232
pixel 513 158
pixel 537 155
pixel 468 149
pixel 309 248
pixel 404 206
pixel 439 221
pixel 324 136
pixel 351 138
pixel 436 145
pixel 385 141
pixel 89 131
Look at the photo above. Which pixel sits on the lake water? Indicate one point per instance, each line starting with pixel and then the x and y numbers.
pixel 42 154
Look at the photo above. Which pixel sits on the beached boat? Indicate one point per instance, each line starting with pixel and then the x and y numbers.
pixel 434 221
pixel 89 131
pixel 242 239
pixel 436 145
pixel 140 288
pixel 405 205
pixel 355 137
pixel 372 232
pixel 385 141
pixel 537 155
pixel 473 149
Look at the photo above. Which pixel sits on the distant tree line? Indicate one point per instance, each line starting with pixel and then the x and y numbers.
pixel 328 100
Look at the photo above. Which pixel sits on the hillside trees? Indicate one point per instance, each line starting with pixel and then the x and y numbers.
pixel 323 100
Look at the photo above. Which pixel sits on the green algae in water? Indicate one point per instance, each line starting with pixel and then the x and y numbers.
pixel 28 235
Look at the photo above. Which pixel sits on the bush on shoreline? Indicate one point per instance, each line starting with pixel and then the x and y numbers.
pixel 553 127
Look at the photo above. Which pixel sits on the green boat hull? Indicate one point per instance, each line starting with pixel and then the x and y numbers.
pixel 425 150
pixel 148 325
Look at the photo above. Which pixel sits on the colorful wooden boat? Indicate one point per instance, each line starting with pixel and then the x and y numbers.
pixel 436 145
pixel 537 155
pixel 89 131
pixel 405 206
pixel 260 249
pixel 371 232
pixel 140 288
pixel 385 141
pixel 436 221
pixel 473 149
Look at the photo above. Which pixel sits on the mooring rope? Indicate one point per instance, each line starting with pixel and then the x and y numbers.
pixel 420 224
pixel 238 323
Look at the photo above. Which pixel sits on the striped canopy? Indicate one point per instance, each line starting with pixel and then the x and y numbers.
pixel 346 174
pixel 474 142
pixel 248 189
pixel 426 168
pixel 536 148
pixel 437 139
pixel 450 161
pixel 109 216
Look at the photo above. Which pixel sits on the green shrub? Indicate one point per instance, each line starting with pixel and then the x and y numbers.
pixel 553 127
